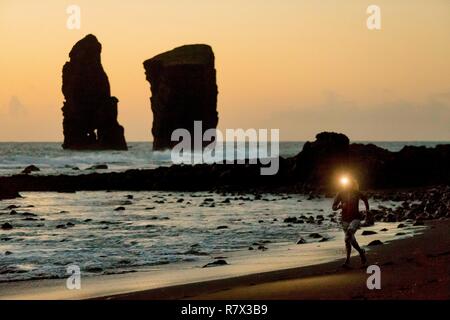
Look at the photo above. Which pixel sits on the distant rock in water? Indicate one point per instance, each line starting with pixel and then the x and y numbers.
pixel 184 89
pixel 90 112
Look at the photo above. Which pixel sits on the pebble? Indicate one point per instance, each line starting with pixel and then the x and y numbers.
pixel 216 263
pixel 375 243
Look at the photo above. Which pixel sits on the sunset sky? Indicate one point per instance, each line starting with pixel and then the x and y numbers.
pixel 302 66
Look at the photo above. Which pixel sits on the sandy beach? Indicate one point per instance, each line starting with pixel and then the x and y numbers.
pixel 411 268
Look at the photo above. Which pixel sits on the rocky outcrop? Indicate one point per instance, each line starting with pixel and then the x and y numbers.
pixel 311 170
pixel 319 160
pixel 373 167
pixel 8 192
pixel 184 90
pixel 90 112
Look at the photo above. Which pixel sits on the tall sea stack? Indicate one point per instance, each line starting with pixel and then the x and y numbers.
pixel 184 90
pixel 90 112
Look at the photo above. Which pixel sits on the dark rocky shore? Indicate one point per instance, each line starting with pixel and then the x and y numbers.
pixel 314 170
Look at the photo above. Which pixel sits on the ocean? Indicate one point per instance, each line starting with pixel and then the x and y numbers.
pixel 121 232
pixel 52 159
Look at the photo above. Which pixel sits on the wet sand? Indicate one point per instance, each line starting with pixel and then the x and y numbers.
pixel 413 268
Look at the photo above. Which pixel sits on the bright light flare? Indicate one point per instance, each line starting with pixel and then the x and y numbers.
pixel 344 181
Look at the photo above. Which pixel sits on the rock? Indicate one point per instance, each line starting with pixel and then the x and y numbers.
pixel 30 169
pixel 390 218
pixel 383 230
pixel 93 269
pixel 323 239
pixel 222 227
pixel 315 235
pixel 184 90
pixel 195 252
pixel 290 220
pixel 7 226
pixel 375 243
pixel 250 248
pixel 12 206
pixel 90 112
pixel 98 167
pixel 28 214
pixel 8 191
pixel 401 225
pixel 61 226
pixel 301 241
pixel 216 263
pixel 70 224
pixel 400 234
pixel 368 233
pixel 318 160
pixel 129 196
pixel 262 248
pixel 119 209
pixel 7 253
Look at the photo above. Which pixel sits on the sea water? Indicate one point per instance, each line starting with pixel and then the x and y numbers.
pixel 53 230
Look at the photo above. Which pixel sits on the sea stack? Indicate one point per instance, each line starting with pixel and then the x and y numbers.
pixel 90 112
pixel 184 90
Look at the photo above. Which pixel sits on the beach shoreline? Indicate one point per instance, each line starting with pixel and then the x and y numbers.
pixel 412 268
pixel 288 279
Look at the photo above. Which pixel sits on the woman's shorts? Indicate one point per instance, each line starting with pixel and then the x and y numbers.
pixel 351 226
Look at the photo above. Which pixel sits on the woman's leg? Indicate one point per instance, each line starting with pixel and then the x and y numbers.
pixel 354 225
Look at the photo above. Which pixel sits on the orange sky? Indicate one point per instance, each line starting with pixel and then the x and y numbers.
pixel 302 66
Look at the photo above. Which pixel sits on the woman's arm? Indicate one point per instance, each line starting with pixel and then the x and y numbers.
pixel 336 203
pixel 363 197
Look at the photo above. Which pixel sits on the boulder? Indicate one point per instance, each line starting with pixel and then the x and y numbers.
pixel 368 233
pixel 7 226
pixel 375 243
pixel 318 160
pixel 29 169
pixel 216 263
pixel 184 90
pixel 315 235
pixel 90 112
